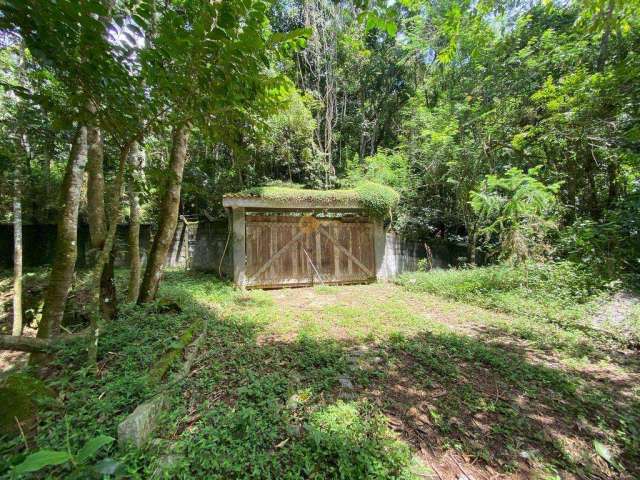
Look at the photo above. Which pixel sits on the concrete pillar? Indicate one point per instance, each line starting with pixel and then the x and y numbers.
pixel 379 241
pixel 239 252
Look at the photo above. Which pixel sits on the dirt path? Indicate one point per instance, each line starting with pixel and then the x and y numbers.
pixel 430 308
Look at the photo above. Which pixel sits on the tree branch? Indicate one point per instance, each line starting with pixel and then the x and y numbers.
pixel 33 344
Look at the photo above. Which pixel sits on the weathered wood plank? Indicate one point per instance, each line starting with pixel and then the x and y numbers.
pixel 346 252
pixel 270 260
pixel 342 251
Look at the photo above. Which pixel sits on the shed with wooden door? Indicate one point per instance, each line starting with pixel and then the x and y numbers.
pixel 290 237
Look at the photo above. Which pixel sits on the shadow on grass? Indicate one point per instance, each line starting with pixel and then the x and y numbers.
pixel 260 403
pixel 263 406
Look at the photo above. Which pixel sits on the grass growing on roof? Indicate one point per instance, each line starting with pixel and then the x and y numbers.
pixel 376 199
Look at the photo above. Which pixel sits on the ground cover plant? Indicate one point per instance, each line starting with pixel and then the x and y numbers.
pixel 370 381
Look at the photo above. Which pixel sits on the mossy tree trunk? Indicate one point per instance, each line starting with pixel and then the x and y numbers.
pixel 168 215
pixel 17 254
pixel 95 188
pixel 98 218
pixel 67 236
pixel 136 162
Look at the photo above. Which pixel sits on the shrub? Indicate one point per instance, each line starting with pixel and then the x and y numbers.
pixel 517 208
pixel 610 246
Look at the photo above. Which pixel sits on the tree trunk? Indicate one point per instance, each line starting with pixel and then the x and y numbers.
pixel 105 258
pixel 24 344
pixel 168 217
pixel 36 345
pixel 134 246
pixel 108 299
pixel 95 189
pixel 134 224
pixel 98 219
pixel 17 255
pixel 472 248
pixel 66 241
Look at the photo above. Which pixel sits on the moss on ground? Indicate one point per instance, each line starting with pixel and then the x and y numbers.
pixel 21 395
pixel 170 357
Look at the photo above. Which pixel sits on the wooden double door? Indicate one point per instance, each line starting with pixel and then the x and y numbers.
pixel 283 250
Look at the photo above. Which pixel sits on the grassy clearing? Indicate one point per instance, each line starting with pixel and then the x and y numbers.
pixel 548 305
pixel 371 381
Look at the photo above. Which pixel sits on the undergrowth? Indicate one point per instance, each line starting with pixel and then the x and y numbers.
pixel 240 415
pixel 260 403
pixel 557 292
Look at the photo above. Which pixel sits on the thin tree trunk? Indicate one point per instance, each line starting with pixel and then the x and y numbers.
pixel 134 246
pixel 168 216
pixel 17 254
pixel 105 256
pixel 98 219
pixel 473 247
pixel 66 241
pixel 95 189
pixel 36 345
pixel 48 158
pixel 134 225
pixel 606 35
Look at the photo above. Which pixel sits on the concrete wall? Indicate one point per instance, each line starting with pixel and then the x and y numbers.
pixel 402 255
pixel 200 246
pixel 208 247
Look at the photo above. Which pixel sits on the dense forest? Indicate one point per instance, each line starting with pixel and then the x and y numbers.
pixel 509 127
pixel 428 97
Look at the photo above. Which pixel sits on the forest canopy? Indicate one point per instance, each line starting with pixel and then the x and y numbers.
pixel 428 98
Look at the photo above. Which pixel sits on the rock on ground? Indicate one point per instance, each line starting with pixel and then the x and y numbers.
pixel 138 427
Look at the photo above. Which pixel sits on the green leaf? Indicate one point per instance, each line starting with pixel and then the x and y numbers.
pixel 108 466
pixel 391 28
pixel 605 453
pixel 41 459
pixel 298 33
pixel 92 446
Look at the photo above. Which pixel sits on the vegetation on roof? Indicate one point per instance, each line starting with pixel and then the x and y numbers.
pixel 378 200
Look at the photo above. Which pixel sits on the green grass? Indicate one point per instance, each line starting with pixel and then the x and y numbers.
pixel 265 396
pixel 549 305
pixel 548 292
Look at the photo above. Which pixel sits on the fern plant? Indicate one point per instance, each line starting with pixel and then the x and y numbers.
pixel 517 210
